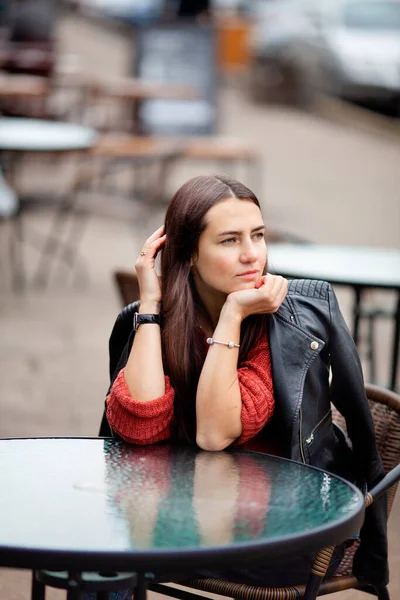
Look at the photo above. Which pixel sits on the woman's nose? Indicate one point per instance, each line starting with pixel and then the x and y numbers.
pixel 248 252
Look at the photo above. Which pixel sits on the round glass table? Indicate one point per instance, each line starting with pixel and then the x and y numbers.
pixel 91 504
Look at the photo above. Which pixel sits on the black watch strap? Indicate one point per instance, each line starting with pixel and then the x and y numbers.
pixel 141 319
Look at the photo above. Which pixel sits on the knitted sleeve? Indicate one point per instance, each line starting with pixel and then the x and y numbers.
pixel 140 422
pixel 256 390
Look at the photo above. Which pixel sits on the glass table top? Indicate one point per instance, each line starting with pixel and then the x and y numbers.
pixel 80 495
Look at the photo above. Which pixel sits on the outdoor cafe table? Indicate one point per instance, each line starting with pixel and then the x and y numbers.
pixel 358 267
pixel 99 504
pixel 20 137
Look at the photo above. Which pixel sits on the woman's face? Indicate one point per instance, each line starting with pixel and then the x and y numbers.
pixel 231 253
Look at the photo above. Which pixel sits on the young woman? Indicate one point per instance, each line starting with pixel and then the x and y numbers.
pixel 224 353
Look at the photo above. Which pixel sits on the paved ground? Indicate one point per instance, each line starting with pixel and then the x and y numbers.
pixel 323 181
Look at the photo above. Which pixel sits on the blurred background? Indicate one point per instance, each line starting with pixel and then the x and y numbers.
pixel 108 106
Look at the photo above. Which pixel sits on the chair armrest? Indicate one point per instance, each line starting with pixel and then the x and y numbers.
pixel 390 479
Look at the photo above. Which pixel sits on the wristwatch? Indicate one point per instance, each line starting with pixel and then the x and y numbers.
pixel 141 319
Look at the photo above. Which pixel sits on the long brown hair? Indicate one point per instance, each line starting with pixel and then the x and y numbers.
pixel 182 354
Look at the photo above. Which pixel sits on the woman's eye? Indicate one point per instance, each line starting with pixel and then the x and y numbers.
pixel 258 236
pixel 229 240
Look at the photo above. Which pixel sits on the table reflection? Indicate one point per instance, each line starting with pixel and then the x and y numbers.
pixel 195 497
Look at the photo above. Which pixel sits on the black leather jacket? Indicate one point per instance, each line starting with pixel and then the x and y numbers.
pixel 314 363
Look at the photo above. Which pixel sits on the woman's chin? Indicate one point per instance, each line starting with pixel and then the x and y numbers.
pixel 245 285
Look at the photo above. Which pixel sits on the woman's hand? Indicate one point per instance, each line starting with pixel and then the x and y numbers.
pixel 149 284
pixel 265 297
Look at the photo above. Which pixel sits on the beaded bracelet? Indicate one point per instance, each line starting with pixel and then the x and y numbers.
pixel 211 341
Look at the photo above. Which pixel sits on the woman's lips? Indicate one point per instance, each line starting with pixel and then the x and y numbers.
pixel 248 275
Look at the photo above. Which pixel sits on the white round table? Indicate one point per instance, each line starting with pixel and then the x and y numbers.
pixel 357 267
pixel 20 136
pixel 342 265
pixel 36 135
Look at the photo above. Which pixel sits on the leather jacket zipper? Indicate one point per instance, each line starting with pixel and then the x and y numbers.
pixel 300 435
pixel 310 438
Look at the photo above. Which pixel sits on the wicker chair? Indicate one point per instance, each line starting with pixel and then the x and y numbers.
pixel 385 407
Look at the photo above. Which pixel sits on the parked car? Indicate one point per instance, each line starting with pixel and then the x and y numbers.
pixel 348 48
pixel 276 74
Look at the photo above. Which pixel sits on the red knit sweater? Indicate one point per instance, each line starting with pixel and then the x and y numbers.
pixel 150 422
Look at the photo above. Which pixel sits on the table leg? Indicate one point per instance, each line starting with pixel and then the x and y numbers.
pixel 69 252
pixel 318 572
pixel 74 585
pixel 9 165
pixel 37 589
pixel 73 594
pixel 140 589
pixel 16 253
pixel 67 220
pixel 52 243
pixel 356 313
pixel 371 348
pixel 396 336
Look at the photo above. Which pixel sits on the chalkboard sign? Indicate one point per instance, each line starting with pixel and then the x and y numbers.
pixel 181 53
